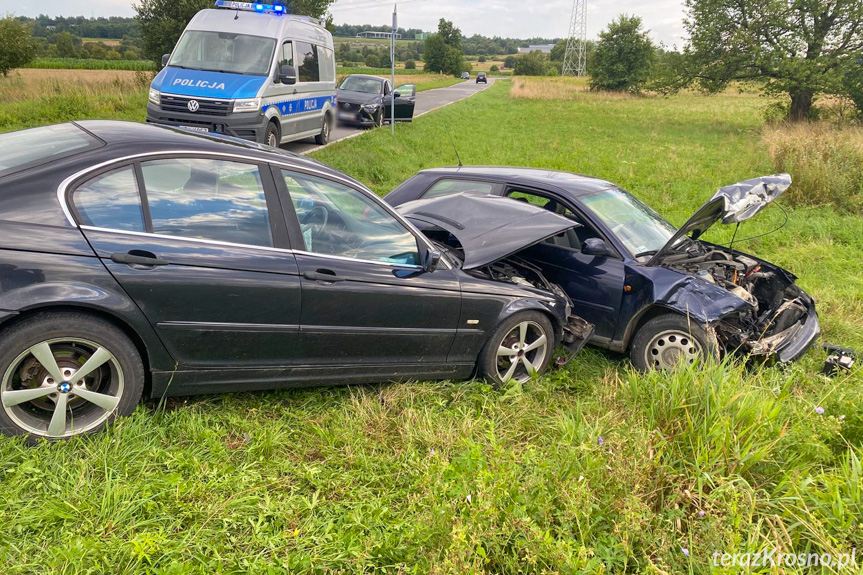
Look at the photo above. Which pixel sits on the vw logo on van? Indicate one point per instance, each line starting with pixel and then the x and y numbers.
pixel 193 105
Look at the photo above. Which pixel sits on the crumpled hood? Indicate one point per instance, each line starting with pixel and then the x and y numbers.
pixel 348 97
pixel 203 84
pixel 489 228
pixel 732 204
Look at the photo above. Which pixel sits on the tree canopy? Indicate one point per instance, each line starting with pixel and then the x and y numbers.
pixel 16 45
pixel 442 51
pixel 623 57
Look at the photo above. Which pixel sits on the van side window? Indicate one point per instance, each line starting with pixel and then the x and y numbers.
pixel 286 57
pixel 326 62
pixel 307 55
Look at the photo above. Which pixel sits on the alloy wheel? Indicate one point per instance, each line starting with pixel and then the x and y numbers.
pixel 521 352
pixel 62 387
pixel 670 348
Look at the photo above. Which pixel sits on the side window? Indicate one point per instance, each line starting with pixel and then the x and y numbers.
pixel 337 220
pixel 569 239
pixel 111 201
pixel 327 70
pixel 286 57
pixel 448 187
pixel 208 199
pixel 307 54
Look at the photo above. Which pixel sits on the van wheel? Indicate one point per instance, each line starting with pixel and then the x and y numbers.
pixel 66 374
pixel 272 137
pixel 671 339
pixel 323 138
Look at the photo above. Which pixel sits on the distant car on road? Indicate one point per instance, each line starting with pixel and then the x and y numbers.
pixel 363 100
pixel 137 259
pixel 465 75
pixel 481 78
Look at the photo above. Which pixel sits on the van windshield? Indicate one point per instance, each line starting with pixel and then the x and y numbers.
pixel 224 52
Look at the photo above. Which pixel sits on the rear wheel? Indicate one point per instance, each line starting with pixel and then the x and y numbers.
pixel 323 138
pixel 669 340
pixel 272 137
pixel 519 348
pixel 66 374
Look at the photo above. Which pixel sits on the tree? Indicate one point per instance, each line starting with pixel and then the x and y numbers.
pixel 509 62
pixel 558 53
pixel 16 45
pixel 481 59
pixel 435 53
pixel 442 51
pixel 162 21
pixel 623 56
pixel 410 65
pixel 796 46
pixel 532 64
pixel 372 61
pixel 65 45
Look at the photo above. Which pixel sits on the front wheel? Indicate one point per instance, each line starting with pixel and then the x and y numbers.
pixel 520 348
pixel 669 340
pixel 323 138
pixel 66 374
pixel 379 119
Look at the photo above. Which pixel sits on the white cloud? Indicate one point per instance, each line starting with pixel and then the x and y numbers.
pixel 508 18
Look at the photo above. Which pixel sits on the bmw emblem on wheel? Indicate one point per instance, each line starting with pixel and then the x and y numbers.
pixel 193 105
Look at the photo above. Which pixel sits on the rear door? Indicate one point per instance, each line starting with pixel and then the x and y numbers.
pixel 366 299
pixel 200 245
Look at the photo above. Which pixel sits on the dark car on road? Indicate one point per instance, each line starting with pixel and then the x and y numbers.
pixel 465 75
pixel 656 291
pixel 481 78
pixel 138 260
pixel 367 101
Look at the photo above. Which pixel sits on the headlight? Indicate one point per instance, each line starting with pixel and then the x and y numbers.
pixel 370 107
pixel 249 105
pixel 155 96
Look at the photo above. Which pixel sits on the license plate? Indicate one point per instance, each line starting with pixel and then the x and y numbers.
pixel 195 128
pixel 347 116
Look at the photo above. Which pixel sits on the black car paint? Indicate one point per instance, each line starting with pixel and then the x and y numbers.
pixel 349 102
pixel 616 293
pixel 218 317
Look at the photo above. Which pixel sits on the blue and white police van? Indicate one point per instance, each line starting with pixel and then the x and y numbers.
pixel 249 70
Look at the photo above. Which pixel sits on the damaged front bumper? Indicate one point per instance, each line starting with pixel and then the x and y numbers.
pixel 790 344
pixel 576 334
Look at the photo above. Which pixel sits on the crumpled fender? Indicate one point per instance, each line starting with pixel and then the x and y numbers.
pixel 701 300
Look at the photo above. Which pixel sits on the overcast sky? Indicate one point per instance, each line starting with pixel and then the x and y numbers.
pixel 508 18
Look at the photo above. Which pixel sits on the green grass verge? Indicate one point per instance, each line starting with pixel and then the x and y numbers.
pixel 91 64
pixel 453 478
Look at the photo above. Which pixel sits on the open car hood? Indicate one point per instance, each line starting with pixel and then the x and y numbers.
pixel 489 228
pixel 731 204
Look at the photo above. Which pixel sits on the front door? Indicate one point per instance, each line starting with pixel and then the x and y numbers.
pixel 366 299
pixel 196 243
pixel 405 103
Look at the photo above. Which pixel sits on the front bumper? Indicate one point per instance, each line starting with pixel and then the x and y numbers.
pixel 792 343
pixel 246 125
pixel 362 117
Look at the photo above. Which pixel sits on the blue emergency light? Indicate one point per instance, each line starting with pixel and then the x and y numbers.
pixel 252 6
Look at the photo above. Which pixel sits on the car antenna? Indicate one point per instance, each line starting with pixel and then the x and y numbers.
pixel 460 165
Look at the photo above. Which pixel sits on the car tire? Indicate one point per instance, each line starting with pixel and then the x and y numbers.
pixel 667 340
pixel 272 136
pixel 379 119
pixel 31 398
pixel 323 138
pixel 499 367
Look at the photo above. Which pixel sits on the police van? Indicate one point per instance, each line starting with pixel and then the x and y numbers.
pixel 249 70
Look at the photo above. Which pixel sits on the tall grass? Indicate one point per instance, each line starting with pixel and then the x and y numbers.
pixel 825 160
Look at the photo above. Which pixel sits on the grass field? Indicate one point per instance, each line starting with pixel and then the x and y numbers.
pixel 91 64
pixel 591 469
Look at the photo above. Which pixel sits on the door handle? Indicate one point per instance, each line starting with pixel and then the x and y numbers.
pixel 324 276
pixel 138 258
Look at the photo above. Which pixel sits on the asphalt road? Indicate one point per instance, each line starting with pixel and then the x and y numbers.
pixel 426 102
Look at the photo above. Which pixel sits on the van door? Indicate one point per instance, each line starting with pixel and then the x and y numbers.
pixel 309 88
pixel 289 122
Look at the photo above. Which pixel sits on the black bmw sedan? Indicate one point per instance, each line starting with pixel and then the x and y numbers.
pixel 138 260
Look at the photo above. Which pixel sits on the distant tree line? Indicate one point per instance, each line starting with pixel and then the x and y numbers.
pixel 80 37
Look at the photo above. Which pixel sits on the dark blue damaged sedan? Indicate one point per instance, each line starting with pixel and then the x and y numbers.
pixel 655 291
pixel 138 260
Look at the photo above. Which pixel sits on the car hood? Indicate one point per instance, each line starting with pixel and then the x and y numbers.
pixel 489 228
pixel 732 204
pixel 348 97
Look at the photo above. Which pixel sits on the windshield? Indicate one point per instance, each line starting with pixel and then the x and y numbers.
pixel 364 85
pixel 640 228
pixel 224 52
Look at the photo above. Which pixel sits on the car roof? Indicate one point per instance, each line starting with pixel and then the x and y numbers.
pixel 366 76
pixel 575 184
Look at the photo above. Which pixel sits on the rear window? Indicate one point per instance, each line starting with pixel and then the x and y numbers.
pixel 38 146
pixel 449 187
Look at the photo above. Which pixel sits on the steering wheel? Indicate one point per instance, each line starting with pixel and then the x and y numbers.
pixel 307 222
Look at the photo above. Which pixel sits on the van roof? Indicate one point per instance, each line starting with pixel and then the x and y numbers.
pixel 260 24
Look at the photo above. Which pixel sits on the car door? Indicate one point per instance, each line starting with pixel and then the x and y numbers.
pixel 366 299
pixel 405 100
pixel 593 283
pixel 200 245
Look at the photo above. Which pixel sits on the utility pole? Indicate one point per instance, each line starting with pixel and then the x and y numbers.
pixel 575 60
pixel 393 63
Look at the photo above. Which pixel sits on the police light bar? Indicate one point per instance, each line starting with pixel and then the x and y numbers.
pixel 252 6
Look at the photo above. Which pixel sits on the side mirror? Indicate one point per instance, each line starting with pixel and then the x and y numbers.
pixel 432 260
pixel 397 95
pixel 165 58
pixel 288 75
pixel 596 247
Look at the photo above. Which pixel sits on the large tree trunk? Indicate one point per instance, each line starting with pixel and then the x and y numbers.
pixel 801 104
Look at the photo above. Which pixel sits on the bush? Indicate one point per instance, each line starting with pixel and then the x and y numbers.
pixel 372 61
pixel 826 162
pixel 533 64
pixel 494 68
pixel 410 65
pixel 623 57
